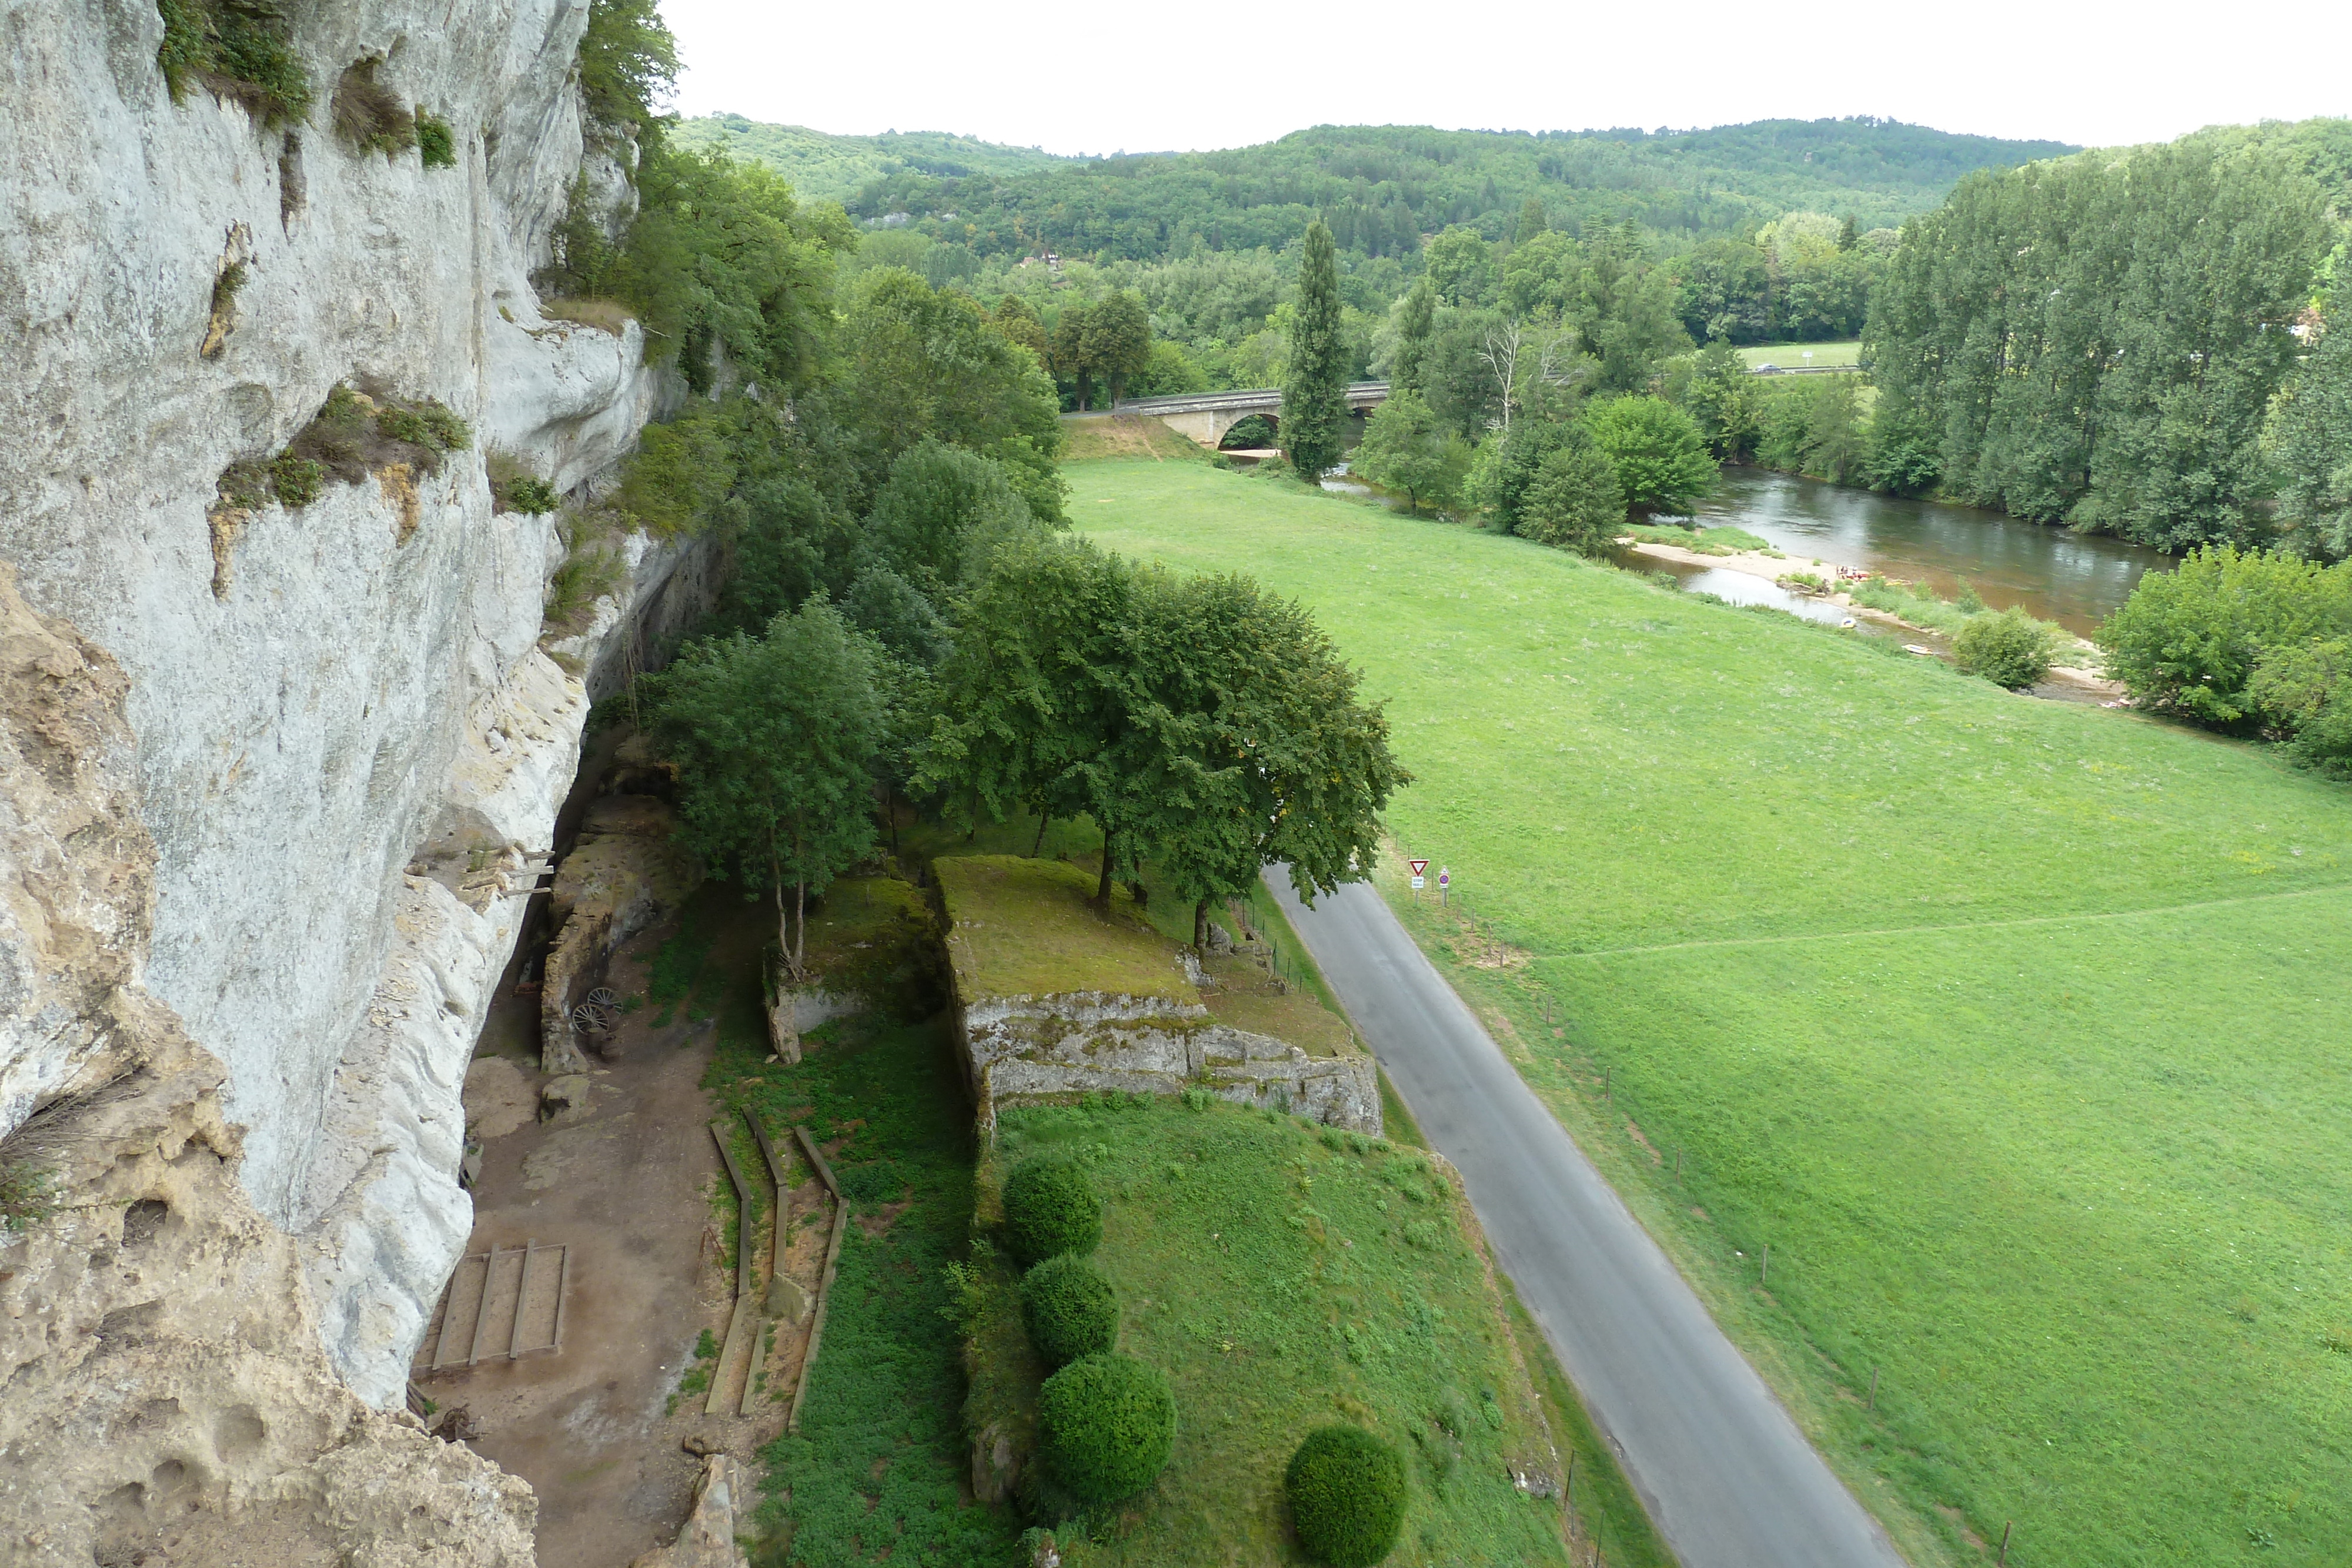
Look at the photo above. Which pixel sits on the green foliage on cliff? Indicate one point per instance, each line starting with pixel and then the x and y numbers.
pixel 240 49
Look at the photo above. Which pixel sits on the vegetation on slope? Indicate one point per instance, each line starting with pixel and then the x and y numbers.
pixel 2007 1025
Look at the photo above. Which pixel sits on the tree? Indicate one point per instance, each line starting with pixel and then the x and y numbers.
pixel 1505 468
pixel 1721 396
pixel 1900 458
pixel 1531 221
pixel 1460 262
pixel 1272 758
pixel 1037 702
pixel 773 739
pixel 2098 339
pixel 1660 458
pixel 1073 350
pixel 1118 339
pixel 940 513
pixel 921 362
pixel 1406 447
pixel 2311 435
pixel 1575 502
pixel 1415 316
pixel 1315 389
pixel 1017 320
pixel 1835 442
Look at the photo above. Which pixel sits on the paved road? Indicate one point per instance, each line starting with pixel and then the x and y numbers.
pixel 1728 1478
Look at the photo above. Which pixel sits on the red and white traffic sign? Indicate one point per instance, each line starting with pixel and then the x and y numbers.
pixel 1418 866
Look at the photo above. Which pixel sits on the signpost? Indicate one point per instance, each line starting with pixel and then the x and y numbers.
pixel 1443 878
pixel 1419 881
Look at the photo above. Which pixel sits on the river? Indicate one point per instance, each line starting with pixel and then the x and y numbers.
pixel 2075 580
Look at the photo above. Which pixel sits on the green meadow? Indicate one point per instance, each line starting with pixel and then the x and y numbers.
pixel 2015 1029
pixel 1791 356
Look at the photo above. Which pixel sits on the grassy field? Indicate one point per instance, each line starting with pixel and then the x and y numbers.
pixel 1285 1279
pixel 1791 356
pixel 2013 1028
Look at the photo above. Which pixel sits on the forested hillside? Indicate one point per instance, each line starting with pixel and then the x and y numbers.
pixel 837 168
pixel 1382 188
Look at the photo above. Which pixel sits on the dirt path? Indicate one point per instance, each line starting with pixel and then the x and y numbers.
pixel 622 1180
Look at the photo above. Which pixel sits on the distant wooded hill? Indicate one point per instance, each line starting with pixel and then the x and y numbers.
pixel 1382 188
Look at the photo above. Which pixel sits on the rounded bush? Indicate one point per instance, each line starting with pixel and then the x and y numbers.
pixel 1346 1496
pixel 2010 649
pixel 1069 1310
pixel 1105 1424
pixel 1050 1208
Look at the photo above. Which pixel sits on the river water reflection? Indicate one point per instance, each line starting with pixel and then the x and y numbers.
pixel 2075 580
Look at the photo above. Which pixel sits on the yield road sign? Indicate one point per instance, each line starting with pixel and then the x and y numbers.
pixel 1418 866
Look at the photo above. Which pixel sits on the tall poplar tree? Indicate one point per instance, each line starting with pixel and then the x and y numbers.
pixel 1416 316
pixel 1315 388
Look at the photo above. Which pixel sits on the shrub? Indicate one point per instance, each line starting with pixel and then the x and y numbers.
pixel 435 142
pixel 1105 1426
pixel 240 49
pixel 2188 640
pixel 370 115
pixel 1050 1208
pixel 1575 502
pixel 1346 1496
pixel 529 495
pixel 427 424
pixel 2306 694
pixel 1069 1310
pixel 2010 649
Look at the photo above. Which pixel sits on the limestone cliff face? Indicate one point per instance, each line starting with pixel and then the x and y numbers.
pixel 337 730
pixel 163 1388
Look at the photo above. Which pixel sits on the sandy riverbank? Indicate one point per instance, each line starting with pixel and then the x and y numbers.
pixel 1772 567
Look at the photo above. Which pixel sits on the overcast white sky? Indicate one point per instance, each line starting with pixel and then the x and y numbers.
pixel 1080 78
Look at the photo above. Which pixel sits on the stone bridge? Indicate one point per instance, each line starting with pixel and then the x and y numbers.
pixel 1206 416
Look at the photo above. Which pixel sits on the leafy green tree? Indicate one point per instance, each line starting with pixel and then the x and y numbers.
pixel 897 615
pixel 1505 468
pixel 1460 262
pixel 1038 704
pixel 1721 397
pixel 1169 371
pixel 1836 442
pixel 1546 278
pixel 2311 437
pixel 1073 350
pixel 940 513
pixel 1315 389
pixel 1273 758
pixel 1407 447
pixel 774 739
pixel 1532 220
pixel 1724 292
pixel 2188 640
pixel 1118 339
pixel 1016 319
pixel 918 362
pixel 628 65
pixel 1900 457
pixel 1416 316
pixel 1660 459
pixel 1575 501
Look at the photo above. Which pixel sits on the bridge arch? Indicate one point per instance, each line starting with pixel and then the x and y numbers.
pixel 1206 417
